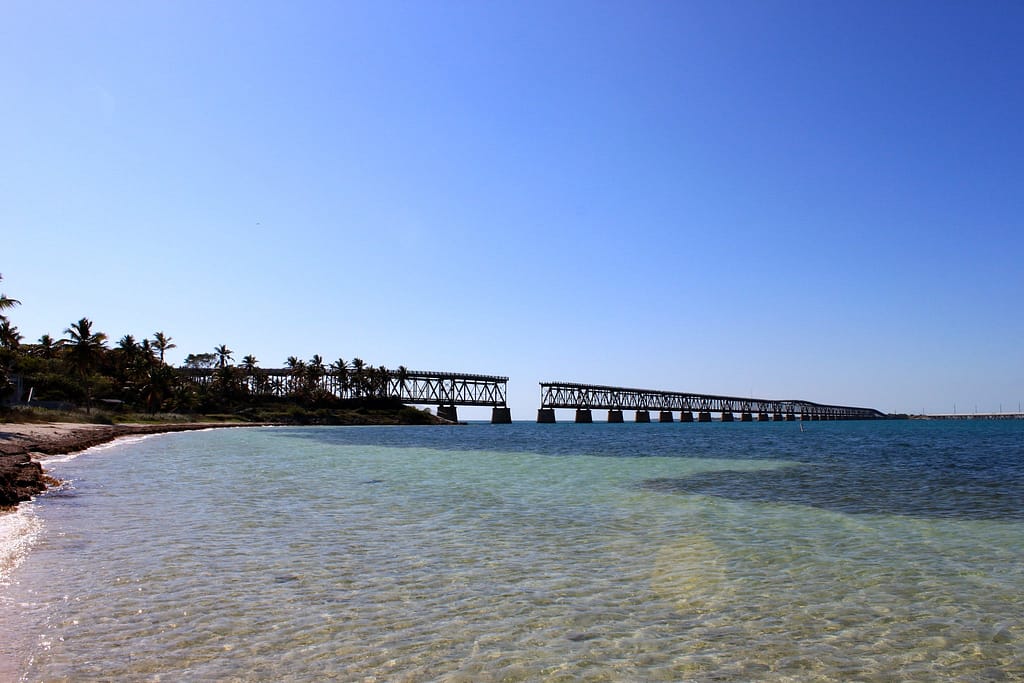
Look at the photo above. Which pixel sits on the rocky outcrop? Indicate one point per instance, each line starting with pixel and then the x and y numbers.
pixel 20 478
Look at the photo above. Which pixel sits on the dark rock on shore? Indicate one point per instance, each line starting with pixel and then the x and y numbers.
pixel 20 478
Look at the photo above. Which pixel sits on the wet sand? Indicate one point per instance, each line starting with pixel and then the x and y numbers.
pixel 55 438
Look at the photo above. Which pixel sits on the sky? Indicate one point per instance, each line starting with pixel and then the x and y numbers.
pixel 766 198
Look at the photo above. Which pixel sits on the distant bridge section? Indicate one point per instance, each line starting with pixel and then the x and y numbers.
pixel 585 398
pixel 970 416
pixel 446 390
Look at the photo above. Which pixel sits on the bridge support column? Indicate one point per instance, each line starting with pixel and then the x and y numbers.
pixel 643 416
pixel 665 416
pixel 449 413
pixel 501 416
pixel 727 416
pixel 546 416
pixel 790 417
pixel 746 416
pixel 615 416
pixel 703 416
pixel 583 416
pixel 763 417
pixel 686 416
pixel 777 417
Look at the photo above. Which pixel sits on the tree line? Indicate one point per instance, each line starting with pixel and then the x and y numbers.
pixel 81 367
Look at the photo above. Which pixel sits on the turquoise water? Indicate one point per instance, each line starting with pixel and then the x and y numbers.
pixel 851 551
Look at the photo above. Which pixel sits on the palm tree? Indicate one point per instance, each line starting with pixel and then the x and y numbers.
pixel 47 347
pixel 298 371
pixel 129 362
pixel 339 369
pixel 162 343
pixel 383 375
pixel 6 303
pixel 358 376
pixel 403 375
pixel 158 386
pixel 10 338
pixel 223 354
pixel 85 348
pixel 315 372
pixel 249 365
pixel 228 383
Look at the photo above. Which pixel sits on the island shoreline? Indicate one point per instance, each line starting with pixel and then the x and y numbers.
pixel 22 445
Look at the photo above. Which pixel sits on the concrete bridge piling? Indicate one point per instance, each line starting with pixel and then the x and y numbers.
pixel 449 413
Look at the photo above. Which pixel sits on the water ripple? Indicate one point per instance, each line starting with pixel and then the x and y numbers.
pixel 217 556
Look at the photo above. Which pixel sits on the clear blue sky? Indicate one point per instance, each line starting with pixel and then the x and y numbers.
pixel 815 200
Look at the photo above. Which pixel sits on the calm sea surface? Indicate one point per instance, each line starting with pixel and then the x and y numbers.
pixel 871 551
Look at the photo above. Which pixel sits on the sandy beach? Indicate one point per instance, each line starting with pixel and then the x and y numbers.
pixel 53 438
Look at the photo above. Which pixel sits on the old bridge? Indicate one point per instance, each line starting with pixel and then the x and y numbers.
pixel 585 398
pixel 446 390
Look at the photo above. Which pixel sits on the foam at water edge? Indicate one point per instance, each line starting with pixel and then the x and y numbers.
pixel 119 441
pixel 19 530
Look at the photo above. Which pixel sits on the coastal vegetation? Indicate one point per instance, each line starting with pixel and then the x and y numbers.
pixel 82 371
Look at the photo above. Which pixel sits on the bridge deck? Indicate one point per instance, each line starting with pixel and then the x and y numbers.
pixel 597 396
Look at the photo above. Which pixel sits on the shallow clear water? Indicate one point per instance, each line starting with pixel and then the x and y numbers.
pixel 866 551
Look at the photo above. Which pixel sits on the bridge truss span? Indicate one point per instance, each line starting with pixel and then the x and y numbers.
pixel 586 397
pixel 448 389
